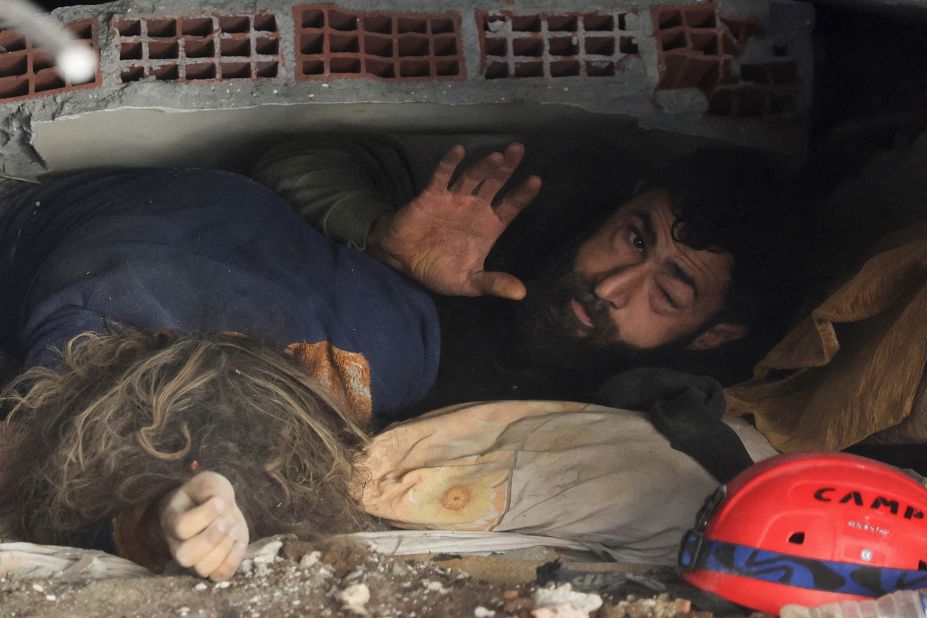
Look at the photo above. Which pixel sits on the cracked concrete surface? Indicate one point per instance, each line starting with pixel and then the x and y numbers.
pixel 218 121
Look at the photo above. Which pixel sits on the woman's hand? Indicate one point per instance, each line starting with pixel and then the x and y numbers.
pixel 204 528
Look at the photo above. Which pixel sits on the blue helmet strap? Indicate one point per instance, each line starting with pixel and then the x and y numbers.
pixel 697 552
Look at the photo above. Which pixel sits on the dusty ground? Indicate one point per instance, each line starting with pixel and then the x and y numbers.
pixel 334 580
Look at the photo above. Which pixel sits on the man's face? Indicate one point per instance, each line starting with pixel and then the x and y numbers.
pixel 633 285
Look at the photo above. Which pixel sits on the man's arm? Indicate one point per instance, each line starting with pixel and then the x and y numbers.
pixel 350 189
pixel 339 185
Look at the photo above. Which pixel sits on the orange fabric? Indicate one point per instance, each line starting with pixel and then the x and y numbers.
pixel 854 364
pixel 345 374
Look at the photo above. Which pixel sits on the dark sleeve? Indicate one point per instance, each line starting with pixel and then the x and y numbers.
pixel 44 336
pixel 687 410
pixel 339 185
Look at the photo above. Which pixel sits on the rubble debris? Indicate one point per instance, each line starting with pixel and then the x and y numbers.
pixel 564 595
pixel 355 598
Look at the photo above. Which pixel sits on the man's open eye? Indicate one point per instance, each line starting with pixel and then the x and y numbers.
pixel 637 241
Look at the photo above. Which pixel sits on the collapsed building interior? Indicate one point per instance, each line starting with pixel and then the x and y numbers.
pixel 833 90
pixel 601 93
pixel 826 85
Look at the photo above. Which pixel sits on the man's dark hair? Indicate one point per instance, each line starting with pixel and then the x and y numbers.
pixel 744 204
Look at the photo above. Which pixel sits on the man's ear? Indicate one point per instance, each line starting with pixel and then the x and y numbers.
pixel 717 335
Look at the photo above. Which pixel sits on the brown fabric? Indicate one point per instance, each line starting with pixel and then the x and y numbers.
pixel 913 428
pixel 877 322
pixel 132 537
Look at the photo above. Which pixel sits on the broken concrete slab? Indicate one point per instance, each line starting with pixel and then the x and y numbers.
pixel 749 64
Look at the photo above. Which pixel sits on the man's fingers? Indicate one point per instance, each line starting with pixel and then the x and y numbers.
pixel 514 153
pixel 498 284
pixel 497 177
pixel 477 174
pixel 441 179
pixel 516 201
pixel 185 524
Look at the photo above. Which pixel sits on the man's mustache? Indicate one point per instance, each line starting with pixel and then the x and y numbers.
pixel 576 287
pixel 596 307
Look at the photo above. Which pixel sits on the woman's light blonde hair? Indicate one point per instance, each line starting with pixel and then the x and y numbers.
pixel 129 416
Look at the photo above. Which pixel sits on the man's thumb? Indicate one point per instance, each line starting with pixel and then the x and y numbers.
pixel 499 284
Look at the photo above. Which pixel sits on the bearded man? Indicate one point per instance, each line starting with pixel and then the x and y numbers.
pixel 695 271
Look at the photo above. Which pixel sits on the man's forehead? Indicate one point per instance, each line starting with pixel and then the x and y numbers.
pixel 652 200
pixel 655 206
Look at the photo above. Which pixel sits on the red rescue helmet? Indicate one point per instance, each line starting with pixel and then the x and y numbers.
pixel 809 528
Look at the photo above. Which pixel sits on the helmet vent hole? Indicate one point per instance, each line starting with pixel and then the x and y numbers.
pixel 797 538
pixel 921 565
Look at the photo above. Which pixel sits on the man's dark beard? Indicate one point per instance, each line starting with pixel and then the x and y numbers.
pixel 547 329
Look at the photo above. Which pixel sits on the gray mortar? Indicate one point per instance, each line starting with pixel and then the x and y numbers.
pixel 474 104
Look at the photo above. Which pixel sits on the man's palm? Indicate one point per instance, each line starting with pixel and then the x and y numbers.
pixel 442 237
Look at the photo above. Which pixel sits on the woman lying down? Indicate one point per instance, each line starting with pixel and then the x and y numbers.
pixel 156 448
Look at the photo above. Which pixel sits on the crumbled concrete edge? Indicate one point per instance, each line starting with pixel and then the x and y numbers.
pixel 631 94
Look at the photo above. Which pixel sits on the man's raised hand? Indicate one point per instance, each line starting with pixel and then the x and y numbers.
pixel 442 237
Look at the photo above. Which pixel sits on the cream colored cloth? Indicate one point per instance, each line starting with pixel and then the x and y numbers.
pixel 568 470
pixel 855 363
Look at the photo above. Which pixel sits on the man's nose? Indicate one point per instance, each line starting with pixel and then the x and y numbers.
pixel 618 286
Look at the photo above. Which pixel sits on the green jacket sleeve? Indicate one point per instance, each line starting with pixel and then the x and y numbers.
pixel 339 185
